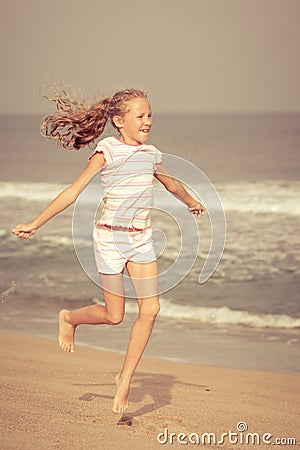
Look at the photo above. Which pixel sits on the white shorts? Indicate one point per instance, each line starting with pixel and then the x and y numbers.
pixel 113 249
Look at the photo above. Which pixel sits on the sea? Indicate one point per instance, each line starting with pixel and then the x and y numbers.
pixel 244 313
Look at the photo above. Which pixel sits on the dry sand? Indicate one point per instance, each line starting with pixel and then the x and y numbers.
pixel 51 400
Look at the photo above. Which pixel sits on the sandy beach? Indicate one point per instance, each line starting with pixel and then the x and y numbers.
pixel 51 400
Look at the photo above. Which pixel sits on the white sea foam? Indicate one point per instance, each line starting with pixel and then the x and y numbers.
pixel 3 233
pixel 30 191
pixel 63 241
pixel 262 197
pixel 257 197
pixel 58 240
pixel 221 316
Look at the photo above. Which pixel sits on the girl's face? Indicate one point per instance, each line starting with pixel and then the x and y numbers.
pixel 135 125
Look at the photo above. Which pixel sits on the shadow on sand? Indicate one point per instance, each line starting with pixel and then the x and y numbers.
pixel 155 387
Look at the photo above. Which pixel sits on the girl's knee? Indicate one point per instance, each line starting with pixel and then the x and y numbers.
pixel 149 309
pixel 115 318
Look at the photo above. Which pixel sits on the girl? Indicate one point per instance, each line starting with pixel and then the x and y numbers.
pixel 122 237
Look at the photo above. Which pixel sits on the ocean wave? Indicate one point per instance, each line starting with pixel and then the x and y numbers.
pixel 63 241
pixel 55 241
pixel 276 196
pixel 30 191
pixel 221 316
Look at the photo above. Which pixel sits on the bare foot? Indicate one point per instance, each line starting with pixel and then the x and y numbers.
pixel 121 398
pixel 66 332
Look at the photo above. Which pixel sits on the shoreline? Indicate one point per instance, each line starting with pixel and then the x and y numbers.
pixel 53 400
pixel 86 339
pixel 203 344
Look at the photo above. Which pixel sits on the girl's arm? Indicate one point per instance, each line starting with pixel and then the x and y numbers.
pixel 176 188
pixel 63 200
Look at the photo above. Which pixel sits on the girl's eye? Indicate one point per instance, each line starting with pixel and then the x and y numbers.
pixel 141 116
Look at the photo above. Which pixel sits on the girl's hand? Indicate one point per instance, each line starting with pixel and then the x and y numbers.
pixel 24 231
pixel 197 209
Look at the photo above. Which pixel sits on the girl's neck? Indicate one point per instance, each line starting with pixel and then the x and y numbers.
pixel 123 141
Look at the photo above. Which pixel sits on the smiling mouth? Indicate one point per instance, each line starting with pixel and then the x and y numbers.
pixel 145 130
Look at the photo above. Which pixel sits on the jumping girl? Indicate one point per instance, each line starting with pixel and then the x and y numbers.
pixel 122 237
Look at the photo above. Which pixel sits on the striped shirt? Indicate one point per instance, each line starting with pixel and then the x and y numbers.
pixel 127 179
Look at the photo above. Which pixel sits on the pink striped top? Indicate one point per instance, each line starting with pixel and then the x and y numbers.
pixel 127 178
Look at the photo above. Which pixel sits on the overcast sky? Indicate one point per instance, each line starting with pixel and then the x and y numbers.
pixel 191 55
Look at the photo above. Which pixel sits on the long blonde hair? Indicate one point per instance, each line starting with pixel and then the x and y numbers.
pixel 76 124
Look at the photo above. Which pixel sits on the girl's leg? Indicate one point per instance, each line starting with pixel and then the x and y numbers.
pixel 145 280
pixel 111 313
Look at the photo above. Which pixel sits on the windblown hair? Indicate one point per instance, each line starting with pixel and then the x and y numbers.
pixel 76 124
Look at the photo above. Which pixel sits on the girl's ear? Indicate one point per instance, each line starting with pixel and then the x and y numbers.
pixel 118 121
